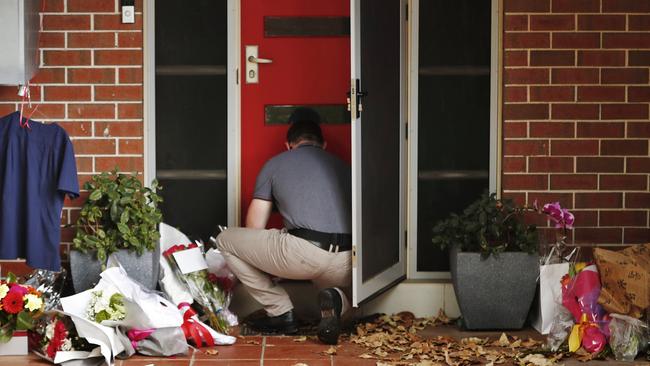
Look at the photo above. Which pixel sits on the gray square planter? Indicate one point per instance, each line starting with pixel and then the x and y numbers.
pixel 495 293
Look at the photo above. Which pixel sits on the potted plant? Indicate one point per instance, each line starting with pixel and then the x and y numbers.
pixel 120 217
pixel 493 260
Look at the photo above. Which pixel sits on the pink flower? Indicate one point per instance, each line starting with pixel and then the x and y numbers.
pixel 561 216
pixel 21 290
pixel 568 218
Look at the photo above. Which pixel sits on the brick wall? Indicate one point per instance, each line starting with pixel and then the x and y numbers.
pixel 90 82
pixel 576 124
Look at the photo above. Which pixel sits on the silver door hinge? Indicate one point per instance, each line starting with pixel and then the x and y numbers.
pixel 237 76
pixel 406 130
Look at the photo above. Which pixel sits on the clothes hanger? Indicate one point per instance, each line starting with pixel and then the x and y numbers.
pixel 26 98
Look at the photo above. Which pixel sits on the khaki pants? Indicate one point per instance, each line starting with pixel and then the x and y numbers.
pixel 254 254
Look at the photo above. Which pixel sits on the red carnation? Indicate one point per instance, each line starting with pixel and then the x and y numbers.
pixel 13 303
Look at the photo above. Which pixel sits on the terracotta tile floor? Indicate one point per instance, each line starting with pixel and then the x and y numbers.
pixel 281 350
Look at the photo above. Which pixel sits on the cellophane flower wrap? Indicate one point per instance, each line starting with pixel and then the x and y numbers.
pixel 211 292
pixel 56 333
pixel 19 306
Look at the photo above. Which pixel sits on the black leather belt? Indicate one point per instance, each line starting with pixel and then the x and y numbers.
pixel 331 242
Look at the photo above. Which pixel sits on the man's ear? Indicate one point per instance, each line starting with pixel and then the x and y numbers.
pixel 286 144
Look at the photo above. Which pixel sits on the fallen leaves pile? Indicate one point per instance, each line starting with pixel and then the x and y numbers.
pixel 394 340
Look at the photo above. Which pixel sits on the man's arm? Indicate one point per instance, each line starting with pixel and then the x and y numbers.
pixel 258 214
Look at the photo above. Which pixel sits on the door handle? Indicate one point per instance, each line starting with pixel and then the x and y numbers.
pixel 259 60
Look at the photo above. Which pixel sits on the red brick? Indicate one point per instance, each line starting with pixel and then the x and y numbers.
pixel 517 197
pixel 525 111
pixel 10 93
pixel 52 39
pixel 601 58
pixel 7 108
pixel 624 147
pixel 514 164
pixel 627 182
pixel 552 93
pixel 131 75
pixel 552 58
pixel 131 146
pixel 552 129
pixel 119 129
pixel 565 199
pixel 118 93
pixel 66 58
pixel 67 93
pixel 91 111
pixel 635 235
pixel 638 129
pixel 599 165
pixel 91 40
pixel 624 111
pixel 527 6
pixel 77 129
pixel 625 75
pixel 84 164
pixel 46 111
pixel 526 40
pixel 601 129
pixel 598 235
pixel 575 76
pixel 91 6
pixel 550 165
pixel 515 129
pixel 638 165
pixel 526 76
pixel 574 147
pixel 599 200
pixel 576 40
pixel 91 76
pixel 53 6
pixel 114 22
pixel 601 22
pixel 574 181
pixel 626 6
pixel 525 181
pixel 127 111
pixel 601 93
pixel 639 22
pixel 626 40
pixel 576 6
pixel 515 22
pixel 125 164
pixel 118 57
pixel 525 147
pixel 66 22
pixel 515 94
pixel 94 146
pixel 638 93
pixel 552 22
pixel 49 75
pixel 574 111
pixel 623 218
pixel 639 58
pixel 129 39
pixel 17 267
pixel 637 200
pixel 586 218
pixel 516 58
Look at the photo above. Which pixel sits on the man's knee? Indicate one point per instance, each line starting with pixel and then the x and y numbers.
pixel 225 240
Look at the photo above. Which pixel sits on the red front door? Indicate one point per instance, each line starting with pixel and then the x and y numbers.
pixel 309 50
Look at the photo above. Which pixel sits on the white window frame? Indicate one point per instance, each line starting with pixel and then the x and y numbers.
pixel 495 127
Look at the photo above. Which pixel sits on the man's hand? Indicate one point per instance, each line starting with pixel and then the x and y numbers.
pixel 258 214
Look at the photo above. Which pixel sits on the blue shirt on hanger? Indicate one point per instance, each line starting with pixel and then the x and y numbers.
pixel 37 170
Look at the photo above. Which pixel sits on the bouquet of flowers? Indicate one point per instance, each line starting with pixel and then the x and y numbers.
pixel 20 305
pixel 56 334
pixel 211 292
pixel 105 306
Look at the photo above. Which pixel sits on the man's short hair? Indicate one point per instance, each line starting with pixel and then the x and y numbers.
pixel 304 126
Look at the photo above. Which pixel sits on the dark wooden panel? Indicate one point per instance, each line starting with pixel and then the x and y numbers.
pixel 306 26
pixel 329 114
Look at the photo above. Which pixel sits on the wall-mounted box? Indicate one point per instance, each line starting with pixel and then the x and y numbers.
pixel 19 25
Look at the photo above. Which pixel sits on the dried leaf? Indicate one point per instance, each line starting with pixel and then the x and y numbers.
pixel 300 364
pixel 211 352
pixel 300 339
pixel 251 341
pixel 536 360
pixel 365 355
pixel 330 351
pixel 503 341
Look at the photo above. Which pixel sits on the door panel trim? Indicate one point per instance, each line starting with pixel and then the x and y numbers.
pixel 234 113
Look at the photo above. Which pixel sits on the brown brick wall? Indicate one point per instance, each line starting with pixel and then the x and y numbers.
pixel 576 112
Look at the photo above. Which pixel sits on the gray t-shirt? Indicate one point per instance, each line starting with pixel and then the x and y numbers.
pixel 310 187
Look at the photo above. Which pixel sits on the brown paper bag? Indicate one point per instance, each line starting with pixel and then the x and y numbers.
pixel 625 279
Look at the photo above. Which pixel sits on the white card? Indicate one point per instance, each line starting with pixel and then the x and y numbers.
pixel 190 260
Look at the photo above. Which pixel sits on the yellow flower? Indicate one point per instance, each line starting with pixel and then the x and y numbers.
pixel 4 289
pixel 33 302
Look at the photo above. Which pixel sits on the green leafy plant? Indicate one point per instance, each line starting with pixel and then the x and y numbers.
pixel 120 213
pixel 489 226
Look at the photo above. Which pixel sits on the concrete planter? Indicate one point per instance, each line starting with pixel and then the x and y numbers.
pixel 85 268
pixel 495 293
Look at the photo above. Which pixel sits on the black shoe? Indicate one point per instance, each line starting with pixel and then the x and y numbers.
pixel 284 324
pixel 329 327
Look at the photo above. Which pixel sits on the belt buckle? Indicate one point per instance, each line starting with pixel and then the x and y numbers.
pixel 335 247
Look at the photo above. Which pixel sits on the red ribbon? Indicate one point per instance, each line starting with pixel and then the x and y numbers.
pixel 136 335
pixel 193 329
